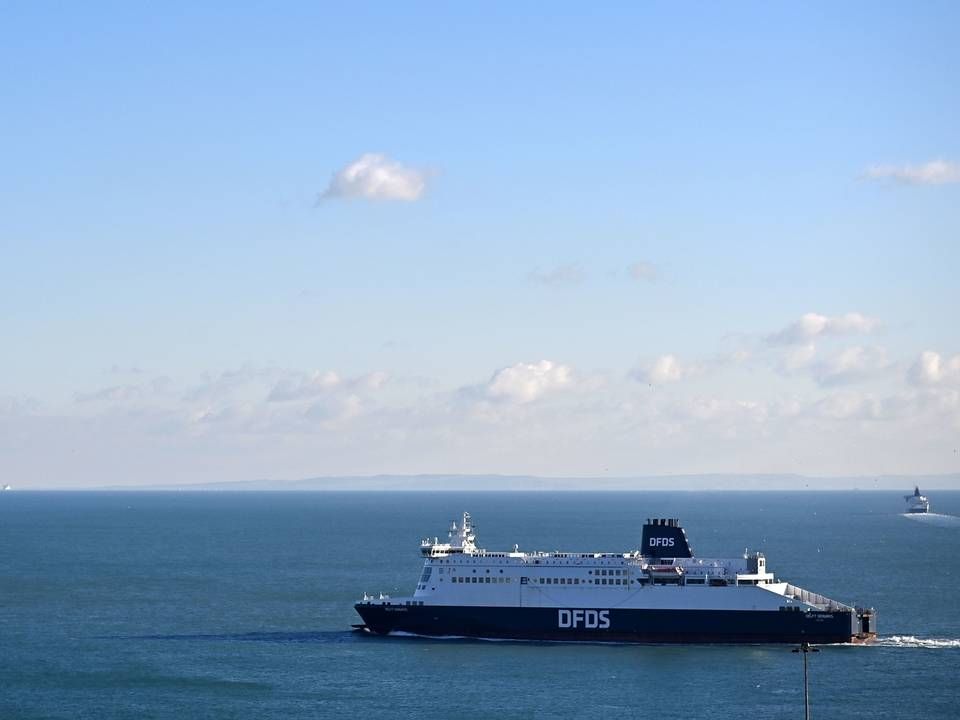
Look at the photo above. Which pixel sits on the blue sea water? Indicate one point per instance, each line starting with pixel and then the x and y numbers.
pixel 236 605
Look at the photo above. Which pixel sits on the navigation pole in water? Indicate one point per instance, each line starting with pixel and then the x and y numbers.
pixel 804 649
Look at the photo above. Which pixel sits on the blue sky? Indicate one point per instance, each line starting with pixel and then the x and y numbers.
pixel 599 222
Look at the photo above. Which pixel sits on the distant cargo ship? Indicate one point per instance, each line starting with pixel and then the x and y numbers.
pixel 660 593
pixel 917 503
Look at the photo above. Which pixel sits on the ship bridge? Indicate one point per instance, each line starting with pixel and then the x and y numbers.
pixel 462 539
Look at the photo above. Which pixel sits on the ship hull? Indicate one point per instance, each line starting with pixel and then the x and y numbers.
pixel 615 625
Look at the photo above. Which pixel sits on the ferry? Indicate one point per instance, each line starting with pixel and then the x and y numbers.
pixel 661 593
pixel 917 503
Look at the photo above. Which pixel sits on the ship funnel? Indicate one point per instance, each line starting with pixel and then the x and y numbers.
pixel 664 538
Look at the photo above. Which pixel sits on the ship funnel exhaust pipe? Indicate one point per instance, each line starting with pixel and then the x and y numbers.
pixel 664 538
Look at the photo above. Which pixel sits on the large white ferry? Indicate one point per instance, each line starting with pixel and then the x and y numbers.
pixel 917 503
pixel 661 593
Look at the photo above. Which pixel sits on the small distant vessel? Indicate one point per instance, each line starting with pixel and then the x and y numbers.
pixel 5 487
pixel 917 503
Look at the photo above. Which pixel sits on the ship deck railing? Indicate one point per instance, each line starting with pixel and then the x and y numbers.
pixel 821 602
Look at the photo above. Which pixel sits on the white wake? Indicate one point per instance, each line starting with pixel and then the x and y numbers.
pixel 911 641
pixel 934 519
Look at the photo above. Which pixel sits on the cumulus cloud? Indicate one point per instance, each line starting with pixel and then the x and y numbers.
pixel 526 382
pixel 305 386
pixel 935 172
pixel 813 325
pixel 559 275
pixel 850 365
pixel 665 369
pixel 333 411
pixel 376 177
pixel 848 406
pixel 798 357
pixel 301 386
pixel 542 417
pixel 643 271
pixel 931 368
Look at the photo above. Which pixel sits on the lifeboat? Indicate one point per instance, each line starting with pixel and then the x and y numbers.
pixel 664 573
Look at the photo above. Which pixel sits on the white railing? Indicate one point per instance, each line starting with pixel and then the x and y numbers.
pixel 821 602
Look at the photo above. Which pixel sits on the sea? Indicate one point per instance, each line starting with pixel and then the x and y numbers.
pixel 239 605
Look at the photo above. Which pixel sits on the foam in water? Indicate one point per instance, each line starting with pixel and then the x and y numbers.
pixel 914 642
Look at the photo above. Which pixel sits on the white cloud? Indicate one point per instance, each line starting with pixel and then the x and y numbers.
pixel 377 177
pixel 374 380
pixel 333 412
pixel 559 275
pixel 931 368
pixel 300 386
pixel 542 417
pixel 18 405
pixel 665 369
pixel 935 172
pixel 306 386
pixel 798 357
pixel 643 271
pixel 113 394
pixel 813 325
pixel 850 365
pixel 848 406
pixel 526 382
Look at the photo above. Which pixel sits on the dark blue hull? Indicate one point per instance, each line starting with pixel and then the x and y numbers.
pixel 634 625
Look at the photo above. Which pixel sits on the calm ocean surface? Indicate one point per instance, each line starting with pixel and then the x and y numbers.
pixel 226 605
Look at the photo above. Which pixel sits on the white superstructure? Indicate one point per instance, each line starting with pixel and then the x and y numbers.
pixel 917 503
pixel 457 572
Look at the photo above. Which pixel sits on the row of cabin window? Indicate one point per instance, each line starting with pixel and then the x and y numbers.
pixel 481 579
pixel 426 572
pixel 576 581
pixel 543 581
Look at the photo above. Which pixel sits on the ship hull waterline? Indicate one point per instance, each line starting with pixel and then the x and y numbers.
pixel 613 625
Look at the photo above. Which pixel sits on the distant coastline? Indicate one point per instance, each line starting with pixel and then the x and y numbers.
pixel 533 483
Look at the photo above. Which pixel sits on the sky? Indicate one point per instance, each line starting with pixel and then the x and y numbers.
pixel 285 240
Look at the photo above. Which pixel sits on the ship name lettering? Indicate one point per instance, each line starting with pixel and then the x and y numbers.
pixel 590 619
